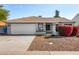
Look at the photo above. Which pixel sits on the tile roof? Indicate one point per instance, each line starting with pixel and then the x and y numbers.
pixel 34 19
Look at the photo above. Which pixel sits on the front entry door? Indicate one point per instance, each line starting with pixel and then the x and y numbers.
pixel 48 27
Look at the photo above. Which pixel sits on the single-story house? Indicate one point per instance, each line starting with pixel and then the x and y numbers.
pixel 36 25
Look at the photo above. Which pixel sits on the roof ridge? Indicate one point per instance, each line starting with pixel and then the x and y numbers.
pixel 22 17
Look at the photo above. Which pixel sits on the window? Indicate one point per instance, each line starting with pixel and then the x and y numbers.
pixel 40 27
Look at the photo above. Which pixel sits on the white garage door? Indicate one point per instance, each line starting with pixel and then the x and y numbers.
pixel 23 28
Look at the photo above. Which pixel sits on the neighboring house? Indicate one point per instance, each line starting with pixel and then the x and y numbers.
pixel 3 25
pixel 36 25
pixel 76 19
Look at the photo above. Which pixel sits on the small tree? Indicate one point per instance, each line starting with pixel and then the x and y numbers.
pixel 3 13
pixel 56 14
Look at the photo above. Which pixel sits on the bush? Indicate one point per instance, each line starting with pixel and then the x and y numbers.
pixel 68 30
pixel 65 30
pixel 60 30
pixel 74 33
pixel 77 34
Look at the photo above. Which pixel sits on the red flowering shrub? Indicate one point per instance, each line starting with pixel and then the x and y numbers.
pixel 68 30
pixel 77 34
pixel 65 30
pixel 60 29
pixel 74 33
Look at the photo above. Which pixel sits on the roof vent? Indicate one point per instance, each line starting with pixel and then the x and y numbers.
pixel 39 16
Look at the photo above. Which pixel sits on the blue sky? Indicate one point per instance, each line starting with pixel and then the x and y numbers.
pixel 47 10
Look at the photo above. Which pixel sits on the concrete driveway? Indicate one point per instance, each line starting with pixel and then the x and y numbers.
pixel 14 44
pixel 18 45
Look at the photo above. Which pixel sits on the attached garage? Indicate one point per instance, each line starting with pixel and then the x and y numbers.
pixel 22 29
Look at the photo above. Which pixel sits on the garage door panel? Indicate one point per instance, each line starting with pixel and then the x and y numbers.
pixel 23 28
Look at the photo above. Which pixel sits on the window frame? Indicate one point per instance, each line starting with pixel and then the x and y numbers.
pixel 40 27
